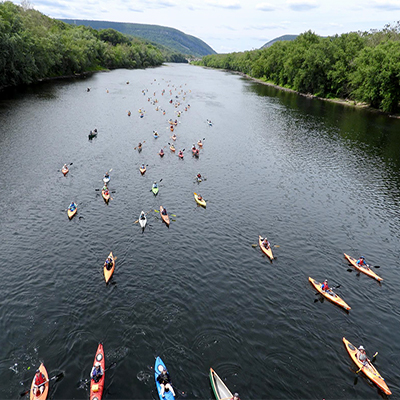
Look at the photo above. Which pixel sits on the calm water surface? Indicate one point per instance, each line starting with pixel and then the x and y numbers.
pixel 317 178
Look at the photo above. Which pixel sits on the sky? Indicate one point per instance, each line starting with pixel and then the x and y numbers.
pixel 234 25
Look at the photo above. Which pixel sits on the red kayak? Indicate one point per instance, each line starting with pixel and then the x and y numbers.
pixel 180 154
pixel 96 389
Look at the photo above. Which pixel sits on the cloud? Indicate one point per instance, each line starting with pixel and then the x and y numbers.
pixel 265 7
pixel 227 4
pixel 386 5
pixel 302 5
pixel 264 27
pixel 230 28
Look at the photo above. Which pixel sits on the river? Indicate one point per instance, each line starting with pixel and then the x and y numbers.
pixel 319 179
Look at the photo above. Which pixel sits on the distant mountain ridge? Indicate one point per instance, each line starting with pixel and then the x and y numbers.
pixel 278 39
pixel 169 37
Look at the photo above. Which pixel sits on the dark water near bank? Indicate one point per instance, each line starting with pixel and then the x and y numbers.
pixel 319 179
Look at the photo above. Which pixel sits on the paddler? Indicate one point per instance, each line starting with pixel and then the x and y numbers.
pixel 361 262
pixel 38 386
pixel 142 215
pixel 109 262
pixel 362 355
pixel 325 287
pixel 97 372
pixel 235 397
pixel 266 243
pixel 165 382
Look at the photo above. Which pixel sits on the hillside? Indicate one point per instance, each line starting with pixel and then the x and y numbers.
pixel 169 37
pixel 278 39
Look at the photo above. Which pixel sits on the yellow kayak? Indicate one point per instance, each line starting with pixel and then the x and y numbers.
pixel 334 298
pixel 201 202
pixel 267 252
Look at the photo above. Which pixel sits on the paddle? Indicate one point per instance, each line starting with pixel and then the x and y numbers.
pixel 373 360
pixel 57 377
pixel 172 215
pixel 85 382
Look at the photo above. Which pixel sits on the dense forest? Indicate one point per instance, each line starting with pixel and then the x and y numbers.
pixel 169 37
pixel 34 46
pixel 360 66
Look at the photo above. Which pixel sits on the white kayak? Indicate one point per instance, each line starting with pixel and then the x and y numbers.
pixel 142 221
pixel 106 180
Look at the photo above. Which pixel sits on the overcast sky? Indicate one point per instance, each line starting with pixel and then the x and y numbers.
pixel 234 25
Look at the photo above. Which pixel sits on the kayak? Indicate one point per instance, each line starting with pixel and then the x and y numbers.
pixel 65 171
pixel 42 396
pixel 139 149
pixel 171 128
pixel 219 388
pixel 158 368
pixel 180 155
pixel 172 148
pixel 156 136
pixel 334 298
pixel 267 252
pixel 200 144
pixel 96 389
pixel 106 195
pixel 154 190
pixel 72 213
pixel 368 369
pixel 92 135
pixel 161 154
pixel 142 222
pixel 106 180
pixel 196 153
pixel 194 150
pixel 198 179
pixel 142 170
pixel 365 269
pixel 165 218
pixel 201 202
pixel 108 273
pixel 172 122
pixel 173 137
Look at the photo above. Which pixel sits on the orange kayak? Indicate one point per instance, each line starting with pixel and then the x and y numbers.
pixel 42 396
pixel 200 144
pixel 96 389
pixel 72 213
pixel 106 195
pixel 173 137
pixel 165 218
pixel 364 269
pixel 267 252
pixel 65 171
pixel 108 272
pixel 172 148
pixel 368 369
pixel 142 170
pixel 334 298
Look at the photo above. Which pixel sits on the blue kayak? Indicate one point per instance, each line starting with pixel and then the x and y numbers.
pixel 158 367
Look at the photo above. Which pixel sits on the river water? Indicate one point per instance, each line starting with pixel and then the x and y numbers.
pixel 319 179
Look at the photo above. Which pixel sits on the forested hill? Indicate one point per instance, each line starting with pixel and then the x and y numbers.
pixel 169 37
pixel 360 66
pixel 280 38
pixel 35 47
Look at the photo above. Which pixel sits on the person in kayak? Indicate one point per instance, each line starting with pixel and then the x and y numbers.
pixel 361 262
pixel 266 243
pixel 140 145
pixel 107 175
pixel 362 355
pixel 72 206
pixel 105 188
pixel 65 166
pixel 193 147
pixel 155 133
pixel 199 175
pixel 38 386
pixel 97 372
pixel 155 184
pixel 235 396
pixel 109 262
pixel 161 151
pixel 142 215
pixel 165 382
pixel 164 211
pixel 325 287
pixel 142 166
pixel 199 197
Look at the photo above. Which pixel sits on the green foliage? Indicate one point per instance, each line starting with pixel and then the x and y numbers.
pixel 364 67
pixel 177 41
pixel 33 47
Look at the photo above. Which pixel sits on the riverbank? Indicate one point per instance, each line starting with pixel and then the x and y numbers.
pixel 345 102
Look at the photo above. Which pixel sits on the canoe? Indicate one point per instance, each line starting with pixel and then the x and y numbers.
pixel 219 388
pixel 65 171
pixel 72 213
pixel 108 273
pixel 43 395
pixel 96 389
pixel 142 170
pixel 200 144
pixel 334 298
pixel 158 368
pixel 154 190
pixel 172 148
pixel 200 202
pixel 267 252
pixel 369 370
pixel 165 218
pixel 365 269
pixel 142 222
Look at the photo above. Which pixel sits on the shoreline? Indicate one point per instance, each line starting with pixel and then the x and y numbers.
pixel 344 102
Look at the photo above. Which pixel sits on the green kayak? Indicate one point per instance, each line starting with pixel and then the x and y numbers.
pixel 155 190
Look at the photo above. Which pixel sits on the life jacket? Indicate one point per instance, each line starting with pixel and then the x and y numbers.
pixel 39 379
pixel 324 286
